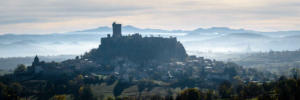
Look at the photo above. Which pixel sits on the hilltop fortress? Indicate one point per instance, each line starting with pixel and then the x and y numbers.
pixel 137 48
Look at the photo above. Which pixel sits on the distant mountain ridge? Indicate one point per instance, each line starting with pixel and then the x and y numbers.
pixel 218 30
pixel 201 39
pixel 99 29
pixel 195 32
pixel 132 29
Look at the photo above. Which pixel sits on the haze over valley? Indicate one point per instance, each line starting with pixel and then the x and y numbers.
pixel 201 40
pixel 149 50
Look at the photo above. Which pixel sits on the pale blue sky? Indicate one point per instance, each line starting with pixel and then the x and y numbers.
pixel 48 16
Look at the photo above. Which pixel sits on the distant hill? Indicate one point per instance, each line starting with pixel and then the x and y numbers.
pixel 244 35
pixel 281 33
pixel 198 31
pixel 132 29
pixel 13 45
pixel 217 31
pixel 99 29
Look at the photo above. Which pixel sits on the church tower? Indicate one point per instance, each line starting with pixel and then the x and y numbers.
pixel 36 61
pixel 117 32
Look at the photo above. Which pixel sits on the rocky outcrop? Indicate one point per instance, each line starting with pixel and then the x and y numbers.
pixel 138 49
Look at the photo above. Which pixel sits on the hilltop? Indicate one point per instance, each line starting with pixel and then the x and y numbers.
pixel 136 48
pixel 126 65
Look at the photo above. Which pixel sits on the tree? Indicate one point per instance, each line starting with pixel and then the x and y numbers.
pixel 20 69
pixel 17 87
pixel 225 89
pixel 3 91
pixel 286 89
pixel 210 95
pixel 120 86
pixel 59 97
pixel 109 98
pixel 295 73
pixel 85 93
pixel 190 94
pixel 10 92
pixel 253 90
pixel 77 57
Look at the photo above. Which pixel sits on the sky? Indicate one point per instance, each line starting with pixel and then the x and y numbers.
pixel 52 16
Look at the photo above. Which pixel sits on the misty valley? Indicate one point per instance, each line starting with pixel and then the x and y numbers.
pixel 217 63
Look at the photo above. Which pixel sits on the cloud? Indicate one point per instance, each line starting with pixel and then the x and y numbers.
pixel 46 16
pixel 36 10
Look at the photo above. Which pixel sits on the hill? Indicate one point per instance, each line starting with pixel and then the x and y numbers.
pixel 137 49
pixel 124 66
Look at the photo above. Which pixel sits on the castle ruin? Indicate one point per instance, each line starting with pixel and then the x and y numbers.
pixel 137 48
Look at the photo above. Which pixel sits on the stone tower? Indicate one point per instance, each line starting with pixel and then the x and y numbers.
pixel 117 32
